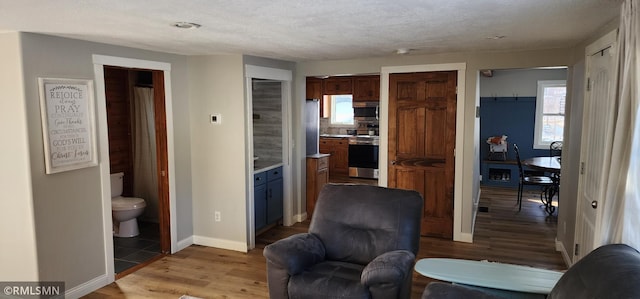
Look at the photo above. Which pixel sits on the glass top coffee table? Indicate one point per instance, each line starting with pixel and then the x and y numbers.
pixel 490 274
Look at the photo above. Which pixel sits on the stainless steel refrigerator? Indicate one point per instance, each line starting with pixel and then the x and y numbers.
pixel 312 123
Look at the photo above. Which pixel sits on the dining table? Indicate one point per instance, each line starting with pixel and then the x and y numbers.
pixel 551 164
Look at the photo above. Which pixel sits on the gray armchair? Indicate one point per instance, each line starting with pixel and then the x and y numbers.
pixel 610 271
pixel 362 243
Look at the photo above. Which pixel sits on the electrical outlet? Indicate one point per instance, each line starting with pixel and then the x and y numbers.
pixel 215 119
pixel 216 216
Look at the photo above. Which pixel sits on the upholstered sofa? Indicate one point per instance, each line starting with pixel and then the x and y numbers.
pixel 611 271
pixel 362 243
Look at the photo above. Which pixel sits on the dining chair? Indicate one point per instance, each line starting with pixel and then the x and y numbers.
pixel 533 180
pixel 555 149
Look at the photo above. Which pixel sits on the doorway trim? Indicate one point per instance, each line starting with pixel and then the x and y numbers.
pixel 99 61
pixel 384 133
pixel 286 78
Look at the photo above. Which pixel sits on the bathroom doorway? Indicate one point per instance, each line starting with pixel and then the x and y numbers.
pixel 136 119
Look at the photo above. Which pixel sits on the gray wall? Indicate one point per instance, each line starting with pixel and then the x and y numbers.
pixel 517 82
pixel 67 206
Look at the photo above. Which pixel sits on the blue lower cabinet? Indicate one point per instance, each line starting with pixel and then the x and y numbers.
pixel 268 197
pixel 260 201
pixel 274 200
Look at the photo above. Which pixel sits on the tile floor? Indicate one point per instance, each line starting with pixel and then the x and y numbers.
pixel 129 252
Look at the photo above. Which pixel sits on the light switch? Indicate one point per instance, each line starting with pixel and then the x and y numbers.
pixel 215 119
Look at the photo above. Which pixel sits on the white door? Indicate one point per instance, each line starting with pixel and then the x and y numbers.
pixel 597 127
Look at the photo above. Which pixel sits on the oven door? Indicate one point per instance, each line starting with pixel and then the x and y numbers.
pixel 363 160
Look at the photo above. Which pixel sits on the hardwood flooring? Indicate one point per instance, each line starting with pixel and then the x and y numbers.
pixel 502 234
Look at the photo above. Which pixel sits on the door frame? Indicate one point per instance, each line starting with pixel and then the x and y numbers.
pixel 609 40
pixel 99 61
pixel 384 133
pixel 286 78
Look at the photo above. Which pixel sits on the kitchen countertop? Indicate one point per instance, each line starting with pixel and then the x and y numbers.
pixel 347 136
pixel 261 167
pixel 317 156
pixel 336 135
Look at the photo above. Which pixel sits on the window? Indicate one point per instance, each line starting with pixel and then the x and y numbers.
pixel 341 109
pixel 550 104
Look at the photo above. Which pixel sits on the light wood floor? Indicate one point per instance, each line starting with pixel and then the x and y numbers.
pixel 502 234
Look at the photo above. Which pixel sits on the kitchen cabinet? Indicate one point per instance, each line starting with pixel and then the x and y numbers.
pixel 366 89
pixel 317 177
pixel 337 85
pixel 338 148
pixel 314 88
pixel 267 197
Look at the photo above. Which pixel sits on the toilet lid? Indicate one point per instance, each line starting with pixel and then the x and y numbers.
pixel 127 203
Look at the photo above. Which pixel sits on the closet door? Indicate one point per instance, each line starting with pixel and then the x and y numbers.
pixel 597 130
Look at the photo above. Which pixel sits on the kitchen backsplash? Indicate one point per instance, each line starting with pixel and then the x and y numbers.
pixel 267 122
pixel 362 128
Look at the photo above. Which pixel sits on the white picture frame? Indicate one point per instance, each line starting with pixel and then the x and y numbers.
pixel 67 109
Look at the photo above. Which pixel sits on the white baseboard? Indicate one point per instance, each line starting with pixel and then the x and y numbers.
pixel 184 243
pixel 464 237
pixel 87 287
pixel 565 255
pixel 468 237
pixel 220 243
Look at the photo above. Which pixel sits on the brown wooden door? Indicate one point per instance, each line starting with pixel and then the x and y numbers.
pixel 422 119
pixel 162 160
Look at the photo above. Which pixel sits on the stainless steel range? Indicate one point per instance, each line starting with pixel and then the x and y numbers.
pixel 363 156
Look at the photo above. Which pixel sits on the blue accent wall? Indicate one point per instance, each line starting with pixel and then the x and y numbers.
pixel 511 116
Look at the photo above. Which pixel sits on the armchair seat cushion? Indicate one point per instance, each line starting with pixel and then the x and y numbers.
pixel 330 279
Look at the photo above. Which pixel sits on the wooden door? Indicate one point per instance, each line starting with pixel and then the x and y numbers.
pixel 162 160
pixel 422 119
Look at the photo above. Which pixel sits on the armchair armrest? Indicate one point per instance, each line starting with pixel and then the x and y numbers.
pixel 295 253
pixel 390 267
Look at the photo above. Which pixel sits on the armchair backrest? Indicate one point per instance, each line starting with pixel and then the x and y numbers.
pixel 610 271
pixel 356 223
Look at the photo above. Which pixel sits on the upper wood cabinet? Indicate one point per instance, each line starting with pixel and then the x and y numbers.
pixel 338 85
pixel 314 88
pixel 366 88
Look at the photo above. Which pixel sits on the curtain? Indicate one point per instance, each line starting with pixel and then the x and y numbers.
pixel 620 221
pixel 145 177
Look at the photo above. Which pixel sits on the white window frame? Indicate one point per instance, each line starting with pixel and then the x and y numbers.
pixel 537 142
pixel 333 112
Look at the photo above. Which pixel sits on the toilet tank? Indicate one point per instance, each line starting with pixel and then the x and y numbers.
pixel 116 184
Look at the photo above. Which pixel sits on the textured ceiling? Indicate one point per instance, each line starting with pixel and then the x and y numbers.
pixel 301 30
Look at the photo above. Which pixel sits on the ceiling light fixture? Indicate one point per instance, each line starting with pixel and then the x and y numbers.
pixel 186 25
pixel 402 51
pixel 496 37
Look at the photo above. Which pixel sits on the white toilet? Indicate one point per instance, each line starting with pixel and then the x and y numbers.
pixel 124 210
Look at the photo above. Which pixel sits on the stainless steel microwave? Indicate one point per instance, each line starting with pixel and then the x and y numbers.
pixel 365 110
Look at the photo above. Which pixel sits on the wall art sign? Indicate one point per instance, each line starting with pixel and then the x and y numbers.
pixel 68 124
